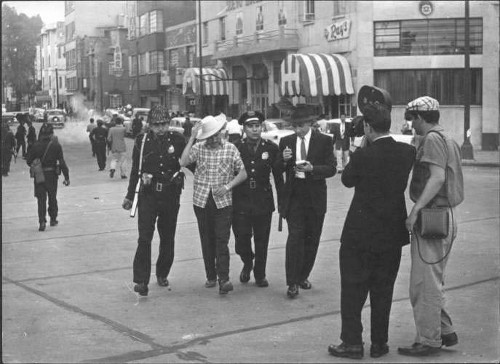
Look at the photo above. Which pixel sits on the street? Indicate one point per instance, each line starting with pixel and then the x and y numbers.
pixel 68 297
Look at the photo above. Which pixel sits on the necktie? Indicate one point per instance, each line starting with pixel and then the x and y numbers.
pixel 303 153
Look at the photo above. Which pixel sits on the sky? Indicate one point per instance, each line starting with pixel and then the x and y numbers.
pixel 49 11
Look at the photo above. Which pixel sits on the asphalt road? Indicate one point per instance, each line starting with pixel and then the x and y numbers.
pixel 67 292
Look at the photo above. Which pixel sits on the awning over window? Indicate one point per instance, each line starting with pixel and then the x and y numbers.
pixel 315 75
pixel 214 81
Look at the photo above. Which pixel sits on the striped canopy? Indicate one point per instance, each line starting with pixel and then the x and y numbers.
pixel 214 81
pixel 315 75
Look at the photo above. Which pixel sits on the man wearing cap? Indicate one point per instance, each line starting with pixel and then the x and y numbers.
pixel 99 135
pixel 374 232
pixel 437 180
pixel 307 158
pixel 159 196
pixel 50 152
pixel 253 202
pixel 219 169
pixel 116 140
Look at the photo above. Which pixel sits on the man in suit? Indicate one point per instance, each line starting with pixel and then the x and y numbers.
pixel 253 202
pixel 307 158
pixel 342 139
pixel 373 234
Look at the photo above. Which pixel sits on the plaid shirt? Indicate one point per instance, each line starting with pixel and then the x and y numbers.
pixel 214 168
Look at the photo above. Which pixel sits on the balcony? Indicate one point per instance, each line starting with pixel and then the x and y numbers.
pixel 282 39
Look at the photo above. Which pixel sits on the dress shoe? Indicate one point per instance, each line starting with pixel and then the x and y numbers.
pixel 305 284
pixel 101 169
pixel 53 222
pixel 245 272
pixel 124 177
pixel 449 339
pixel 162 281
pixel 111 173
pixel 377 350
pixel 293 291
pixel 346 351
pixel 225 287
pixel 418 349
pixel 210 283
pixel 42 226
pixel 141 288
pixel 261 282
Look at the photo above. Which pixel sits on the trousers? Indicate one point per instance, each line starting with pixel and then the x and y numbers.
pixel 426 287
pixel 119 160
pixel 363 271
pixel 100 152
pixel 47 191
pixel 259 226
pixel 161 210
pixel 214 226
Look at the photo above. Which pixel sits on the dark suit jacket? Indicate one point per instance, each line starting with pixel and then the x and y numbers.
pixel 321 156
pixel 340 142
pixel 379 174
pixel 255 195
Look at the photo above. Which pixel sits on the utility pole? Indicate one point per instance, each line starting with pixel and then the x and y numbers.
pixel 138 102
pixel 57 90
pixel 200 58
pixel 100 87
pixel 467 150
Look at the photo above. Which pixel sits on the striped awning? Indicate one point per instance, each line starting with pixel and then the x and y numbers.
pixel 315 75
pixel 214 81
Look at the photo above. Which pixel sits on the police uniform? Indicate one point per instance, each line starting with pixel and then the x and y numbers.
pixel 253 202
pixel 100 135
pixel 159 200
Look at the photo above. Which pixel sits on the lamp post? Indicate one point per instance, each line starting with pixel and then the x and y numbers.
pixel 467 150
pixel 200 58
pixel 57 90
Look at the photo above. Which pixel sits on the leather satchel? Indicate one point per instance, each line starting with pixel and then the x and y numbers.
pixel 36 168
pixel 433 223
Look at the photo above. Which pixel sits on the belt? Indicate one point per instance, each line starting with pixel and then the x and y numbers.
pixel 47 169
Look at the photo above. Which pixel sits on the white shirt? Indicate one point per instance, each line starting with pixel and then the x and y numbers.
pixel 298 157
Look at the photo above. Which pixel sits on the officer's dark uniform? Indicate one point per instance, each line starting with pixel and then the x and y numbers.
pixel 160 200
pixel 253 203
pixel 100 135
pixel 53 157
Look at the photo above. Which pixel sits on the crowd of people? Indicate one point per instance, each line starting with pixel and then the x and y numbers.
pixel 232 190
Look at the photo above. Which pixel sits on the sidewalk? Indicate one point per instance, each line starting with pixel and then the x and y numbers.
pixel 483 158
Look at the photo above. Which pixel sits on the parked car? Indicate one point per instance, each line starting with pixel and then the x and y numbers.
pixel 10 117
pixel 39 113
pixel 56 117
pixel 275 129
pixel 177 123
pixel 139 111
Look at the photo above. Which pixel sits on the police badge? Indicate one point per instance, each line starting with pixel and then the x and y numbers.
pixel 265 156
pixel 171 149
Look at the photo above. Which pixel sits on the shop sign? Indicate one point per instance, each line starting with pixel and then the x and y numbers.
pixel 426 8
pixel 338 30
pixel 164 78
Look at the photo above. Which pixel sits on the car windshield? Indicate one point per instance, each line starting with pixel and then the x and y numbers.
pixel 54 113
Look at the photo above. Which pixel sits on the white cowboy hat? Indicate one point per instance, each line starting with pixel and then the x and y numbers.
pixel 210 125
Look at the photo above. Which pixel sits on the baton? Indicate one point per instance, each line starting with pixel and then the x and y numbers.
pixel 136 199
pixel 280 223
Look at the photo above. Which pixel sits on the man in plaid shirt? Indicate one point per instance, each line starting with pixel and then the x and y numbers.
pixel 219 168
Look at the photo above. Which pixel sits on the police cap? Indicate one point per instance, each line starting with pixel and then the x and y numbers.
pixel 251 116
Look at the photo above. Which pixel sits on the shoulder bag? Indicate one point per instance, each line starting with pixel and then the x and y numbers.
pixel 36 169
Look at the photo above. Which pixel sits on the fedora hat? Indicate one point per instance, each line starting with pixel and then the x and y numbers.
pixel 371 95
pixel 302 114
pixel 210 125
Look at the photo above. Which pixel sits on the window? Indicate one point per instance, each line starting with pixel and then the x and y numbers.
pixel 281 13
pixel 308 10
pixel 445 85
pixel 143 63
pixel 155 62
pixel 190 56
pixel 173 58
pixel 156 21
pixel 115 101
pixel 132 66
pixel 222 28
pixel 260 19
pixel 239 23
pixel 70 30
pixel 427 37
pixel 143 24
pixel 339 7
pixel 60 82
pixel 205 33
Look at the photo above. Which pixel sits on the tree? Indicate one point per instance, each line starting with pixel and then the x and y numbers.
pixel 20 36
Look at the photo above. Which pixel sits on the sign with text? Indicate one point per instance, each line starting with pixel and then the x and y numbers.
pixel 338 30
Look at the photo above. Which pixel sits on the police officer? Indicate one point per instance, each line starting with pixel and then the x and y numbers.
pixel 159 196
pixel 100 135
pixel 253 202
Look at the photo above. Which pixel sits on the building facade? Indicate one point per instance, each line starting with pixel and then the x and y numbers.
pixel 321 53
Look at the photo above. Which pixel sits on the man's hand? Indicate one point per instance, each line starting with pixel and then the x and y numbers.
pixel 411 220
pixel 287 154
pixel 66 182
pixel 304 167
pixel 220 191
pixel 194 130
pixel 127 204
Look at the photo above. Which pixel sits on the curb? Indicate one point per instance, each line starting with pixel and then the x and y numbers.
pixel 480 164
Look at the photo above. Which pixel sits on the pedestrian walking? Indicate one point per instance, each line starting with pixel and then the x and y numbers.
pixel 307 158
pixel 99 136
pixel 374 230
pixel 43 129
pixel 253 201
pixel 116 140
pixel 342 140
pixel 136 126
pixel 219 169
pixel 437 181
pixel 21 135
pixel 155 160
pixel 188 126
pixel 8 147
pixel 50 153
pixel 31 137
pixel 91 126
